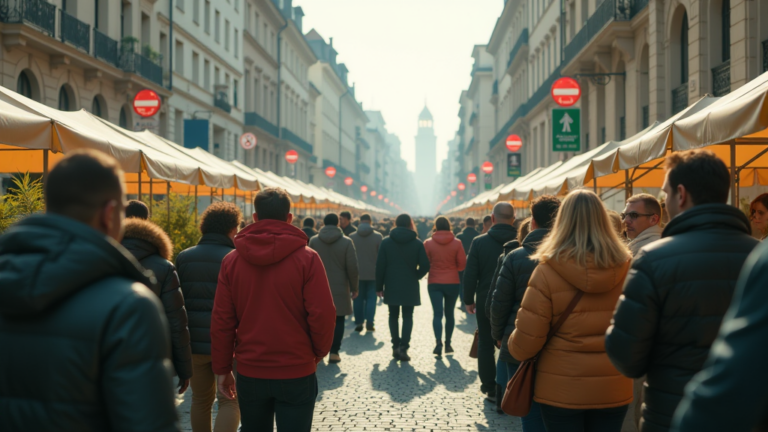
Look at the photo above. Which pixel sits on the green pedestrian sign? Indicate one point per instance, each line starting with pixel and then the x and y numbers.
pixel 566 129
pixel 513 165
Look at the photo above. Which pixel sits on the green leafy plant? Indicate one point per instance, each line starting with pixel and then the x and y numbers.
pixel 129 43
pixel 180 226
pixel 25 199
pixel 151 54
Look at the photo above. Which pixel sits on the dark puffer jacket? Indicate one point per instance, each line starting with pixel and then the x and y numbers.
pixel 506 250
pixel 84 343
pixel 481 262
pixel 153 249
pixel 510 287
pixel 401 263
pixel 198 269
pixel 675 297
pixel 466 236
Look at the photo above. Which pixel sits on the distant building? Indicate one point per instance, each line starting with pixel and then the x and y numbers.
pixel 426 158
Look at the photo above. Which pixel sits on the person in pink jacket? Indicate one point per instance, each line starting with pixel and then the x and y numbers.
pixel 446 258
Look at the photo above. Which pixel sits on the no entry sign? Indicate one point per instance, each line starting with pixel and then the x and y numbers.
pixel 291 156
pixel 514 143
pixel 248 140
pixel 566 91
pixel 471 177
pixel 330 171
pixel 487 167
pixel 146 103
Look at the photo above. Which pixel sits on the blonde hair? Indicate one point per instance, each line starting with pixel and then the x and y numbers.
pixel 584 233
pixel 618 224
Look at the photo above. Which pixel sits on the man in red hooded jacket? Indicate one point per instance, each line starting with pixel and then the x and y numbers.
pixel 274 311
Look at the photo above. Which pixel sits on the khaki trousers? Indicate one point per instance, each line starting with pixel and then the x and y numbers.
pixel 204 393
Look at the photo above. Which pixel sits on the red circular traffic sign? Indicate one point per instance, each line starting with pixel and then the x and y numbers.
pixel 348 181
pixel 248 141
pixel 363 188
pixel 381 196
pixel 472 177
pixel 291 156
pixel 386 200
pixel 514 143
pixel 453 193
pixel 146 103
pixel 462 186
pixel 566 91
pixel 373 193
pixel 487 167
pixel 330 171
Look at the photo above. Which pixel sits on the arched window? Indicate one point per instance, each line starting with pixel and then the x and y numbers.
pixel 123 121
pixel 96 107
pixel 63 99
pixel 684 49
pixel 23 85
pixel 726 27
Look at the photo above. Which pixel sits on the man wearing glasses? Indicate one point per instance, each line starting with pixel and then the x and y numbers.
pixel 641 217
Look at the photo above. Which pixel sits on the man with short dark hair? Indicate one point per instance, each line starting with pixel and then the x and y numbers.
pixel 367 242
pixel 273 309
pixel 340 260
pixel 345 223
pixel 137 209
pixel 487 223
pixel 679 288
pixel 309 228
pixel 198 269
pixel 85 342
pixel 466 236
pixel 641 216
pixel 481 265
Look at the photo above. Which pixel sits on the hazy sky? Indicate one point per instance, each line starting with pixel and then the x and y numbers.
pixel 401 52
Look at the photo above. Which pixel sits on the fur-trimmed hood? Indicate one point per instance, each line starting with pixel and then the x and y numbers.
pixel 145 238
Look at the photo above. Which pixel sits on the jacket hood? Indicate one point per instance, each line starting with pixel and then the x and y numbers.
pixel 535 237
pixel 268 242
pixel 590 279
pixel 443 237
pixel 330 234
pixel 364 230
pixel 502 233
pixel 708 216
pixel 402 235
pixel 144 238
pixel 46 258
pixel 470 230
pixel 511 245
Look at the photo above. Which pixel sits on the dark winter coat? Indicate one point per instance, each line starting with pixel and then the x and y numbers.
pixel 153 249
pixel 508 247
pixel 348 230
pixel 198 269
pixel 340 261
pixel 735 378
pixel 367 242
pixel 310 232
pixel 84 342
pixel 466 236
pixel 481 262
pixel 510 288
pixel 402 262
pixel 675 297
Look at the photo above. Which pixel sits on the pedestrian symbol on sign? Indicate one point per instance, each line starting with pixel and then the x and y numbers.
pixel 566 122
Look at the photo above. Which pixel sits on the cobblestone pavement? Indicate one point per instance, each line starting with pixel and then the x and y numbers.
pixel 369 391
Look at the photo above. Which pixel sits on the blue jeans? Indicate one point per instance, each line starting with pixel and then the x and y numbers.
pixel 502 375
pixel 533 422
pixel 583 420
pixel 365 303
pixel 437 294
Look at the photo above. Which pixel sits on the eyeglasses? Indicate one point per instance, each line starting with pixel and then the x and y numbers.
pixel 635 215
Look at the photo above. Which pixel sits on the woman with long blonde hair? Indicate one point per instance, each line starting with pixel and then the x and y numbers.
pixel 576 385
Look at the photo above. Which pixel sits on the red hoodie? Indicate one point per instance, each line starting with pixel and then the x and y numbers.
pixel 446 258
pixel 273 305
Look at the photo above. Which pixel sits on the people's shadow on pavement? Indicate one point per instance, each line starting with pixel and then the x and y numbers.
pixel 452 375
pixel 401 381
pixel 466 323
pixel 356 343
pixel 329 377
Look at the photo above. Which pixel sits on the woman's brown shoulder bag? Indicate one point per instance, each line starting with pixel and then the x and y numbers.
pixel 475 343
pixel 519 394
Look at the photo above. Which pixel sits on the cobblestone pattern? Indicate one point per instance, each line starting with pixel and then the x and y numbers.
pixel 370 391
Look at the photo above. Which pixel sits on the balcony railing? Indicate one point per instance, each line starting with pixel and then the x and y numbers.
pixel 297 141
pixel 75 32
pixel 221 101
pixel 522 40
pixel 606 12
pixel 105 48
pixel 637 6
pixel 253 119
pixel 721 79
pixel 679 98
pixel 765 55
pixel 136 63
pixel 646 117
pixel 39 13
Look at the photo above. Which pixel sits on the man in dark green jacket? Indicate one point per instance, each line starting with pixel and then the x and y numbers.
pixel 481 265
pixel 85 343
pixel 466 236
pixel 401 263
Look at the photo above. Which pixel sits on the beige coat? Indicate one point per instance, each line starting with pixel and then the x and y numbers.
pixel 340 261
pixel 650 235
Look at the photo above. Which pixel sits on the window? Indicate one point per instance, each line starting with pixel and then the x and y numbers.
pixel 684 49
pixel 24 85
pixel 123 120
pixel 207 75
pixel 257 28
pixel 180 5
pixel 217 27
pixel 237 5
pixel 207 17
pixel 237 44
pixel 179 67
pixel 726 26
pixel 195 68
pixel 226 35
pixel 96 107
pixel 216 75
pixel 63 99
pixel 196 11
pixel 234 93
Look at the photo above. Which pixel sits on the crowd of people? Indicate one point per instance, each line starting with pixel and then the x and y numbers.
pixel 654 319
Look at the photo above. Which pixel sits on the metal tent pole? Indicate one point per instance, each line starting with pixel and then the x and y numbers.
pixel 168 203
pixel 734 187
pixel 195 205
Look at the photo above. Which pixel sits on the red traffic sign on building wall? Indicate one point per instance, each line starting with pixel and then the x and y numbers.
pixel 453 193
pixel 348 181
pixel 248 141
pixel 363 188
pixel 566 91
pixel 487 167
pixel 462 186
pixel 291 156
pixel 514 143
pixel 146 103
pixel 472 177
pixel 330 171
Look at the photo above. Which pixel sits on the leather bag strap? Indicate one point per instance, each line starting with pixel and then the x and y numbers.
pixel 565 314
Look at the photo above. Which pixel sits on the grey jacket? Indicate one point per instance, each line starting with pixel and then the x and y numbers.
pixel 367 243
pixel 340 260
pixel 650 235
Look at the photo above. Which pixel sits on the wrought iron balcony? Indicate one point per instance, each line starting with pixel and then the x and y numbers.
pixel 253 119
pixel 297 141
pixel 721 79
pixel 75 32
pixel 521 41
pixel 105 48
pixel 679 98
pixel 607 12
pixel 637 6
pixel 134 62
pixel 221 101
pixel 646 117
pixel 39 13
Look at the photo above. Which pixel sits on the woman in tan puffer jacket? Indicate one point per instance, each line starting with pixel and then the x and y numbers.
pixel 576 384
